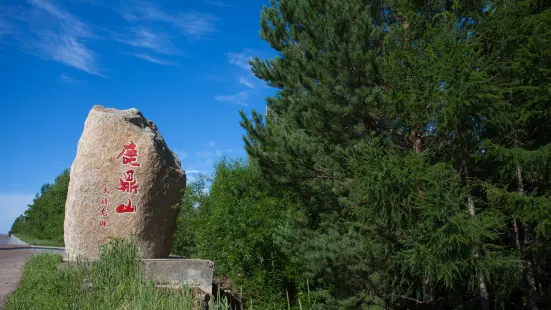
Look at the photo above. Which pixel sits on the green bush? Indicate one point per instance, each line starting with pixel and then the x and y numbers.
pixel 234 225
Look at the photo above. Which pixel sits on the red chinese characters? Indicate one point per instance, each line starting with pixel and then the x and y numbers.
pixel 128 208
pixel 129 155
pixel 102 210
pixel 128 184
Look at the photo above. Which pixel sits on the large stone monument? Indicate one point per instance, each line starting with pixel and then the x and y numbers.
pixel 125 182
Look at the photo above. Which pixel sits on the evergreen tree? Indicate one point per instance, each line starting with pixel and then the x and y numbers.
pixel 381 129
pixel 516 35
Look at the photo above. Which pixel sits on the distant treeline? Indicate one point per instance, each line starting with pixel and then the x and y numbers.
pixel 43 220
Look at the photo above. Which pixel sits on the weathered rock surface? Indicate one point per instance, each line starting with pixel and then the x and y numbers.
pixel 125 182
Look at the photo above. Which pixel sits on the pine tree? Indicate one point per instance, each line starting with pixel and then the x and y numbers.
pixel 385 130
pixel 517 37
pixel 328 76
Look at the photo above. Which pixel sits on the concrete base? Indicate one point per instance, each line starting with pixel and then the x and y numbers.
pixel 193 272
pixel 173 272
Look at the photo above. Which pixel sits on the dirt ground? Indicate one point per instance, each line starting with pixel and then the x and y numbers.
pixel 12 261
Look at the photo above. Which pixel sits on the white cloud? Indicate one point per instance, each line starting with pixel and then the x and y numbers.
pixel 246 82
pixel 218 4
pixel 238 98
pixel 48 29
pixel 182 155
pixel 193 24
pixel 143 37
pixel 68 80
pixel 212 143
pixel 240 60
pixel 196 25
pixel 194 171
pixel 204 154
pixel 12 206
pixel 59 36
pixel 5 26
pixel 155 60
pixel 222 152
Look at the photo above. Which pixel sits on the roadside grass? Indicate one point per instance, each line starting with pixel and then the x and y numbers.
pixel 33 241
pixel 115 281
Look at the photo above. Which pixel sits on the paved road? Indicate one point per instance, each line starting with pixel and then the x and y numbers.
pixel 13 255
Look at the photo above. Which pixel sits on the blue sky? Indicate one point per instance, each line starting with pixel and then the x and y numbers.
pixel 182 63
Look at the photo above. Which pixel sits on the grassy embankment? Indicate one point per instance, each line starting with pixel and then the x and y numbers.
pixel 33 241
pixel 115 281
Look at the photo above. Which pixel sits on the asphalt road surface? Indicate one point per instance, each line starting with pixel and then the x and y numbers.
pixel 13 255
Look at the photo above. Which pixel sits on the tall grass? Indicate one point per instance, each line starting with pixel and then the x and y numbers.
pixel 115 281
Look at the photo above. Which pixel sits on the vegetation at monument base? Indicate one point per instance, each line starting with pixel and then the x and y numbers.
pixel 234 224
pixel 115 281
pixel 404 162
pixel 42 222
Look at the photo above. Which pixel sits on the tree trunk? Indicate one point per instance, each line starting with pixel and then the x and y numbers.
pixel 417 139
pixel 417 145
pixel 517 239
pixel 484 297
pixel 532 289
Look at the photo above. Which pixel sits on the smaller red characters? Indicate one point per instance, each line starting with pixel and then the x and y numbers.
pixel 103 212
pixel 105 191
pixel 103 224
pixel 129 183
pixel 129 155
pixel 128 208
pixel 104 201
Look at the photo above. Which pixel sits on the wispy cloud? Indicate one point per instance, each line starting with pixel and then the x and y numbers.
pixel 49 30
pixel 211 143
pixel 194 171
pixel 218 4
pixel 155 60
pixel 247 78
pixel 222 152
pixel 238 98
pixel 204 154
pixel 67 50
pixel 193 24
pixel 68 80
pixel 181 155
pixel 59 36
pixel 5 26
pixel 143 37
pixel 246 82
pixel 240 60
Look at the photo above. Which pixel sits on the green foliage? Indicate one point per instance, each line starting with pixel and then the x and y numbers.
pixel 404 162
pixel 234 225
pixel 192 213
pixel 115 281
pixel 401 129
pixel 43 220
